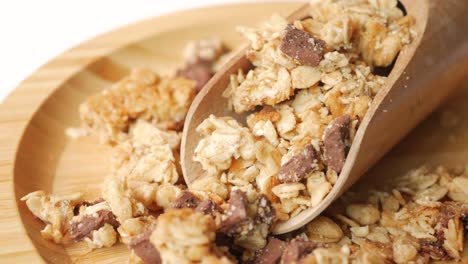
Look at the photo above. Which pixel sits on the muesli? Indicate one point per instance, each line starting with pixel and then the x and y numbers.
pixel 312 83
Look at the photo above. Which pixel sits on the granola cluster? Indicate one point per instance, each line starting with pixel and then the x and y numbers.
pixel 415 218
pixel 311 84
pixel 141 96
pixel 141 117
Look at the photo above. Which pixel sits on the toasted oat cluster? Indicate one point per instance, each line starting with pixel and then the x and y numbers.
pixel 187 236
pixel 418 217
pixel 311 84
pixel 143 95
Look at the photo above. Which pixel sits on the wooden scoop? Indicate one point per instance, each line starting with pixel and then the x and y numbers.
pixel 424 74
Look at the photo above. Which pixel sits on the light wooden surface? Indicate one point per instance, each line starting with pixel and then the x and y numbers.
pixel 413 90
pixel 35 154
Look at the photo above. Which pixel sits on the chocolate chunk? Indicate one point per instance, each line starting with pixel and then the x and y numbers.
pixel 299 166
pixel 448 211
pixel 85 227
pixel 143 248
pixel 236 214
pixel 271 253
pixel 336 142
pixel 186 199
pixel 432 249
pixel 265 211
pixel 297 249
pixel 208 207
pixel 223 240
pixel 302 46
pixel 200 72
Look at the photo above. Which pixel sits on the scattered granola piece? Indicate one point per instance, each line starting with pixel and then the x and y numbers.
pixel 248 220
pixel 323 229
pixel 201 57
pixel 364 214
pixel 305 76
pixel 297 249
pixel 272 252
pixel 404 251
pixel 458 189
pixel 86 224
pixel 210 184
pixel 141 95
pixel 186 199
pixel 302 46
pixel 147 155
pixel 336 142
pixel 54 210
pixel 206 50
pixel 208 207
pixel 143 248
pixel 105 236
pixel 185 236
pixel 200 72
pixel 224 139
pixel 299 166
pixel 236 215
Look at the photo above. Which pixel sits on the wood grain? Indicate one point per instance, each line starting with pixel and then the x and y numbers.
pixel 35 154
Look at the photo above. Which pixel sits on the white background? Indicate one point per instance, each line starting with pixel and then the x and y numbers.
pixel 34 31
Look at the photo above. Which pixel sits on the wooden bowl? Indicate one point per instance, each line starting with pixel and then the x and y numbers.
pixel 35 154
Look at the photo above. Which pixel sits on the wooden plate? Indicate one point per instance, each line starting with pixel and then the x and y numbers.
pixel 35 154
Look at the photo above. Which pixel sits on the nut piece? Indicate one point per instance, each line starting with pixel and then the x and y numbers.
pixel 336 142
pixel 364 214
pixel 323 229
pixel 302 47
pixel 299 166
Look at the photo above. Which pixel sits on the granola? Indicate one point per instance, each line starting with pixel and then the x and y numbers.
pixel 311 85
pixel 54 210
pixel 185 236
pixel 143 95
